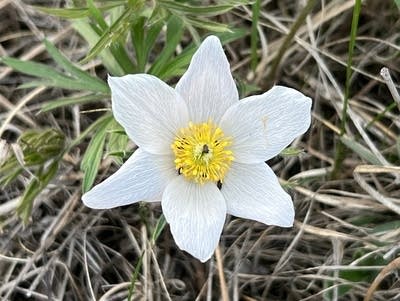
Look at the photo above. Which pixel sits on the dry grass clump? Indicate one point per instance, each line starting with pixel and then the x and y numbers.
pixel 345 242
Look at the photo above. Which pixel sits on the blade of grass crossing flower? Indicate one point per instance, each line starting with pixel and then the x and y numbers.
pixel 92 157
pixel 93 83
pixel 254 34
pixel 340 149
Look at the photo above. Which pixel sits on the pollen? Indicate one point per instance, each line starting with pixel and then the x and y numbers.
pixel 202 152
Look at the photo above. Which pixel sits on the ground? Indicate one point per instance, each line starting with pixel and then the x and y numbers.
pixel 343 174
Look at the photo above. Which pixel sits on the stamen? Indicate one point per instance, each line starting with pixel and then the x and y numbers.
pixel 201 153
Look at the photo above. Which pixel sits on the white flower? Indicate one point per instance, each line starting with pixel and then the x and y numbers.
pixel 201 150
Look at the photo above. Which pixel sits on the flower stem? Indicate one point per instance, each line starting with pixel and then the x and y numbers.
pixel 341 149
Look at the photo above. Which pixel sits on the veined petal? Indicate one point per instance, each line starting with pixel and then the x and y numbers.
pixel 196 214
pixel 207 86
pixel 262 126
pixel 253 192
pixel 142 177
pixel 150 111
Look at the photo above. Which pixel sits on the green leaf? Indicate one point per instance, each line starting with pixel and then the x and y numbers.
pixel 178 65
pixel 135 274
pixel 207 24
pixel 92 83
pixel 291 152
pixel 34 69
pixel 92 157
pixel 109 36
pixel 96 14
pixel 48 76
pixel 161 223
pixel 69 101
pixel 68 13
pixel 92 37
pixel 361 150
pixel 94 126
pixel 357 275
pixel 36 185
pixel 117 142
pixel 175 30
pixel 39 146
pixel 143 38
pixel 254 34
pixel 209 11
pixel 385 227
pixel 75 12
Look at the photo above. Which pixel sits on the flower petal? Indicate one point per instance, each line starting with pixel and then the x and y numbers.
pixel 262 126
pixel 142 177
pixel 150 111
pixel 196 214
pixel 253 192
pixel 207 86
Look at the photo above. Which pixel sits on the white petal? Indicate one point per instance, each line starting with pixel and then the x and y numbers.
pixel 196 214
pixel 263 125
pixel 150 111
pixel 253 192
pixel 207 86
pixel 142 177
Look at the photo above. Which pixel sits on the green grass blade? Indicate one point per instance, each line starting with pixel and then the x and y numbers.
pixel 70 101
pixel 92 83
pixel 340 150
pixel 37 184
pixel 111 35
pixel 209 11
pixel 91 36
pixel 75 12
pixel 34 69
pixel 207 24
pixel 361 150
pixel 175 30
pixel 254 34
pixel 143 40
pixel 92 157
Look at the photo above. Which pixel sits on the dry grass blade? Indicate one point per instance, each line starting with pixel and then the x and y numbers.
pixel 393 265
pixel 345 239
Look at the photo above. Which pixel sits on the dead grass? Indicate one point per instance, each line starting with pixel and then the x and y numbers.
pixel 342 229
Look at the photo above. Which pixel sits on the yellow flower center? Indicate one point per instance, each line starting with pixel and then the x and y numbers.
pixel 201 152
